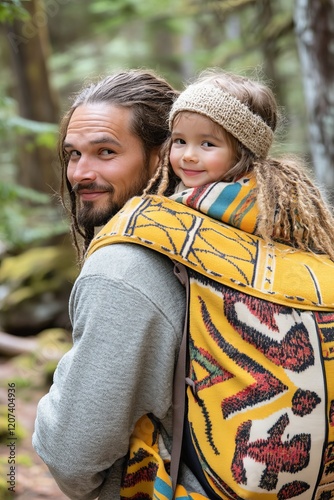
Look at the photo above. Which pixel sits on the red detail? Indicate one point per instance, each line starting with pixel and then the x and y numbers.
pixel 278 456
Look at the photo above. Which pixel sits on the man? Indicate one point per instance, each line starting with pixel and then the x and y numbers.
pixel 127 307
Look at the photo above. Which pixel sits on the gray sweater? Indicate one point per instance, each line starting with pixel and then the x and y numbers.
pixel 127 311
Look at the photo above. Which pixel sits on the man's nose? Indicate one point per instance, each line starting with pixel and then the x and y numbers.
pixel 84 170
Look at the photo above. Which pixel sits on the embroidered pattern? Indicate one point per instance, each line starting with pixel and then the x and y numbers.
pixel 246 405
pixel 261 406
pixel 229 255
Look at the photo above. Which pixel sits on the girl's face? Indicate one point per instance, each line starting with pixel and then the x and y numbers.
pixel 201 152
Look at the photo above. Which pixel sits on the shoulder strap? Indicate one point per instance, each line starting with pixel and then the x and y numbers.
pixel 179 396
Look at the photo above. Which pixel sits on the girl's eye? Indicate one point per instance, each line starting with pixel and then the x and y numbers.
pixel 178 141
pixel 208 144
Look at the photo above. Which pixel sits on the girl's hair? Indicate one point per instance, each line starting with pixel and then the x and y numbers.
pixel 150 98
pixel 291 207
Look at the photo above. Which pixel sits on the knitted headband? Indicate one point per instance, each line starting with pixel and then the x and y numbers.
pixel 227 111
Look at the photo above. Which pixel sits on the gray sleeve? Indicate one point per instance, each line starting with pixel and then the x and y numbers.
pixel 127 312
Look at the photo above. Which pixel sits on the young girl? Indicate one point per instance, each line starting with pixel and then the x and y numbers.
pixel 222 128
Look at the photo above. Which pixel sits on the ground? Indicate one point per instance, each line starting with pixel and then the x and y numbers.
pixel 32 478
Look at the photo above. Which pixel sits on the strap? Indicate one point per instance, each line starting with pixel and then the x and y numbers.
pixel 181 433
pixel 179 397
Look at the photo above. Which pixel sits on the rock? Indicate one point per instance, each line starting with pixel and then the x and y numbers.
pixel 35 288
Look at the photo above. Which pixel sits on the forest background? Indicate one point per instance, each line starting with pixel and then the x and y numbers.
pixel 48 49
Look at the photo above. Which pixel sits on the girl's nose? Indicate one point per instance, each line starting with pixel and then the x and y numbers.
pixel 190 154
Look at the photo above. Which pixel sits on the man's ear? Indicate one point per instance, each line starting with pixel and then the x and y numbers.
pixel 155 158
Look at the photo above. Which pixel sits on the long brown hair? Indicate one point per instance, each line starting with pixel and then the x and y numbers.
pixel 148 95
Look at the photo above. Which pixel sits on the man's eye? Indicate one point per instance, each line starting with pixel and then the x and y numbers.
pixel 73 154
pixel 107 152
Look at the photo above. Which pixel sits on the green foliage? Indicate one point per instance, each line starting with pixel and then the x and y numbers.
pixel 10 193
pixel 27 217
pixel 11 10
pixel 45 133
pixel 7 109
pixel 11 125
pixel 178 39
pixel 122 12
pixel 34 272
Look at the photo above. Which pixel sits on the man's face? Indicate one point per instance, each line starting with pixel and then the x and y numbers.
pixel 107 164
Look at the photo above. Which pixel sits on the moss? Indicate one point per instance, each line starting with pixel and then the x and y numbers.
pixel 20 432
pixel 36 369
pixel 24 460
pixel 20 382
pixel 4 493
pixel 3 423
pixel 20 459
pixel 34 272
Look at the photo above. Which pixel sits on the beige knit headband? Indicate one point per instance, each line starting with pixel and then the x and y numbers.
pixel 228 112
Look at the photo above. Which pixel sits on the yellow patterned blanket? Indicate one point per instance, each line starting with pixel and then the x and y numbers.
pixel 225 253
pixel 261 346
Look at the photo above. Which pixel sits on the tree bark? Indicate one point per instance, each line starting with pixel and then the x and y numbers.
pixel 266 13
pixel 314 25
pixel 29 47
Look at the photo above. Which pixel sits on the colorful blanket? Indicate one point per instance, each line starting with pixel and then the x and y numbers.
pixel 261 345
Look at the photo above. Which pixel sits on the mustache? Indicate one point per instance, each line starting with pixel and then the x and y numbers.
pixel 93 186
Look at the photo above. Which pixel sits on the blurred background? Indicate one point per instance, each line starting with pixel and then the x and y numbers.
pixel 48 50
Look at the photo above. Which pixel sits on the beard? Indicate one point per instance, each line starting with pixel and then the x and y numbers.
pixel 90 216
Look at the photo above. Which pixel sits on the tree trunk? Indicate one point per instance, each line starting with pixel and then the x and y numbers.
pixel 314 25
pixel 29 46
pixel 269 50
